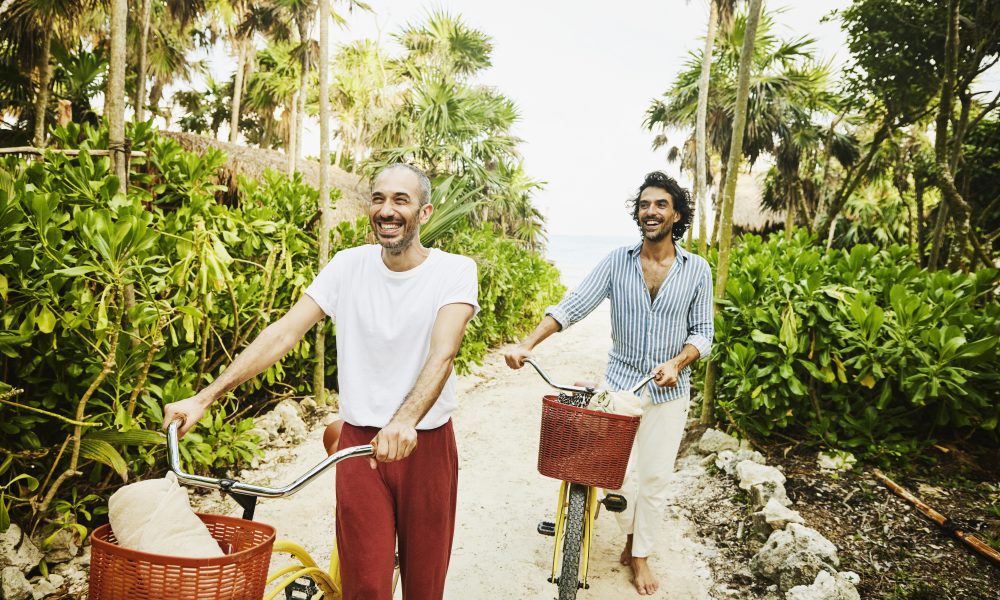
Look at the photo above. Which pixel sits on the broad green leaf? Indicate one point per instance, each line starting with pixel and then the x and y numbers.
pixel 104 453
pixel 76 271
pixel 3 287
pixel 45 320
pixel 868 381
pixel 763 338
pixel 134 437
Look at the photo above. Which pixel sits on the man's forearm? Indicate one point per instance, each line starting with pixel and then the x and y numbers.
pixel 547 327
pixel 687 355
pixel 425 391
pixel 268 348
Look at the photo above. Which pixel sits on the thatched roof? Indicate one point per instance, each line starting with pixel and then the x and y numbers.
pixel 252 162
pixel 748 214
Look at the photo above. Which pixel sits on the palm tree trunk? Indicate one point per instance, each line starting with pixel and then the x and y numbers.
pixel 44 79
pixel 300 113
pixel 242 51
pixel 729 192
pixel 293 131
pixel 918 192
pixel 325 210
pixel 114 104
pixel 701 155
pixel 789 214
pixel 140 86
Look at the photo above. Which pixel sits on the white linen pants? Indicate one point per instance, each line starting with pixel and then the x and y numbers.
pixel 650 468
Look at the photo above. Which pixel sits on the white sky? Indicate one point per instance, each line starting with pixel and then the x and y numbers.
pixel 582 75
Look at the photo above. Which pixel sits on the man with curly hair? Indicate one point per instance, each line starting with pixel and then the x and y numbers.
pixel 661 322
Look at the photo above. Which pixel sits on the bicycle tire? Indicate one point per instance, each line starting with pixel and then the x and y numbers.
pixel 569 578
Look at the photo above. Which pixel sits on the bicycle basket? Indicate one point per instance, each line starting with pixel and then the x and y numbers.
pixel 118 573
pixel 584 446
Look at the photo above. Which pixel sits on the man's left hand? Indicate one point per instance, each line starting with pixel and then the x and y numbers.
pixel 665 374
pixel 394 442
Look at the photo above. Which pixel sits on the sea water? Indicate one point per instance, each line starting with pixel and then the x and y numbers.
pixel 576 255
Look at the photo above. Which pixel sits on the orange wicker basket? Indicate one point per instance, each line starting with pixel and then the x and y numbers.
pixel 118 573
pixel 584 446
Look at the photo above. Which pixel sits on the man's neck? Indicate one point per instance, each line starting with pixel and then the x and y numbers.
pixel 658 251
pixel 408 259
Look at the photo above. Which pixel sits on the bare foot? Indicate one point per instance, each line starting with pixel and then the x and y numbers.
pixel 626 557
pixel 645 580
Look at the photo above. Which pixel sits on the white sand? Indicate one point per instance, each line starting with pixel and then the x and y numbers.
pixel 501 498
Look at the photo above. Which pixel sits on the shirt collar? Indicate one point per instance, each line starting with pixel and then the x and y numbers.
pixel 681 252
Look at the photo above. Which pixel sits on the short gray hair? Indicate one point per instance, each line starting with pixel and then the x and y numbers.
pixel 423 181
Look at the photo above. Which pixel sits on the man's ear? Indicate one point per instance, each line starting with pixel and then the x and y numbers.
pixel 425 213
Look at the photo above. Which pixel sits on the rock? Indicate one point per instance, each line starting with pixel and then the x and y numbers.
pixel 14 585
pixel 777 515
pixel 708 460
pixel 263 436
pixel 851 576
pixel 793 556
pixel 42 588
pixel 62 547
pixel 727 459
pixel 714 440
pixel 56 580
pixel 836 460
pixel 291 421
pixel 308 405
pixel 761 493
pixel 825 587
pixel 328 418
pixel 16 550
pixel 750 474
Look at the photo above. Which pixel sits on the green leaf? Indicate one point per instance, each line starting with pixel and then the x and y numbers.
pixel 45 320
pixel 104 453
pixel 134 437
pixel 76 271
pixel 763 338
pixel 3 287
pixel 4 515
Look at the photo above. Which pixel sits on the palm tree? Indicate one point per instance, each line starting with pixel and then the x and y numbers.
pixel 729 192
pixel 718 11
pixel 325 210
pixel 114 103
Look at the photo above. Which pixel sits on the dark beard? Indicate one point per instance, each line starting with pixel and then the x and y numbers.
pixel 657 237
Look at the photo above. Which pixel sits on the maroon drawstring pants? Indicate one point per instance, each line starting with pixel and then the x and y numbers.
pixel 413 499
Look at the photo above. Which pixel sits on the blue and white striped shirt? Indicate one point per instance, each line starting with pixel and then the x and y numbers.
pixel 643 333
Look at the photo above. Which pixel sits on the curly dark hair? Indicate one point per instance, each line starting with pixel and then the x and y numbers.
pixel 680 197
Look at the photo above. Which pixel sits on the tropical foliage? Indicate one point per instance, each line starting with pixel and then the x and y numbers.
pixel 861 349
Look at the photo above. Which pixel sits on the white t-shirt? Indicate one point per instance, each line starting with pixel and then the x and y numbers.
pixel 384 320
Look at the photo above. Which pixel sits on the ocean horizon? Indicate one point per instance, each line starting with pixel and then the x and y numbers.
pixel 576 255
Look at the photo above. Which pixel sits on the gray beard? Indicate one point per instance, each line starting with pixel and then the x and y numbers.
pixel 398 247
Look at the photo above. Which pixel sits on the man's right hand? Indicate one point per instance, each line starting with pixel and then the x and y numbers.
pixel 191 410
pixel 516 355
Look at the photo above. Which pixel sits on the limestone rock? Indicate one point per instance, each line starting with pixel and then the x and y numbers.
pixel 777 515
pixel 825 587
pixel 793 556
pixel 16 550
pixel 62 547
pixel 42 588
pixel 762 492
pixel 714 440
pixel 14 585
pixel 727 459
pixel 751 474
pixel 293 426
pixel 836 460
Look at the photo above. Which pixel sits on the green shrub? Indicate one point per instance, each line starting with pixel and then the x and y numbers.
pixel 861 348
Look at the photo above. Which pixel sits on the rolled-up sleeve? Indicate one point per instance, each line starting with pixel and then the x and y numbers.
pixel 701 319
pixel 584 299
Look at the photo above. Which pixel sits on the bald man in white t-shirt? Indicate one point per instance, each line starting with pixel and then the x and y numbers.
pixel 401 310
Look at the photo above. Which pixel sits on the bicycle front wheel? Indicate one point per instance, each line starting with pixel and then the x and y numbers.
pixel 569 579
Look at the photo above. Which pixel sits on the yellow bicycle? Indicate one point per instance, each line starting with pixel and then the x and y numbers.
pixel 304 579
pixel 587 450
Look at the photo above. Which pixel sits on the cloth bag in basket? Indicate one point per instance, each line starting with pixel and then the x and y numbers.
pixel 155 516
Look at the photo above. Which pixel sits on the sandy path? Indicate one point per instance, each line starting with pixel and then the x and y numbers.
pixel 497 553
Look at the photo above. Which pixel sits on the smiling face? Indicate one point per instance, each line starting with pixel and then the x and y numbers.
pixel 396 210
pixel 655 213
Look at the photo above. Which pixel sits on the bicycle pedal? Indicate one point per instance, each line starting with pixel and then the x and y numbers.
pixel 547 528
pixel 302 588
pixel 615 503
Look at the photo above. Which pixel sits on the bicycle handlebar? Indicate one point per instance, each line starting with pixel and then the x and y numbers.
pixel 231 485
pixel 577 389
